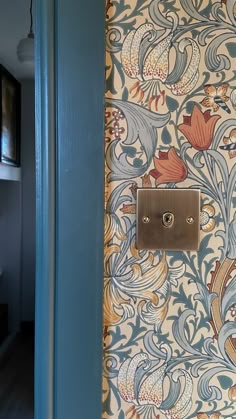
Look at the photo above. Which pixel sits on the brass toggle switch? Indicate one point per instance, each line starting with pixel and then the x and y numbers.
pixel 168 219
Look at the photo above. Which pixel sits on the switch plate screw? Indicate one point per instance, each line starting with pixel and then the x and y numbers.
pixel 190 220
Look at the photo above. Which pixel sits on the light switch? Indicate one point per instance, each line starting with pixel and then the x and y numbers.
pixel 168 219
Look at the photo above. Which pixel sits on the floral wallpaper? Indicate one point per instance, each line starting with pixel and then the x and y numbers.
pixel 170 317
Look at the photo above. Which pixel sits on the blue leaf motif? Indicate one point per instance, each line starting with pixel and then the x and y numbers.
pixel 172 104
pixel 231 186
pixel 189 106
pixel 121 415
pixel 195 34
pixel 142 126
pixel 232 239
pixel 231 47
pixel 129 150
pixel 220 132
pixel 138 162
pixel 179 327
pixel 225 382
pixel 190 9
pixel 166 138
pixel 215 61
pixel 116 198
pixel 207 392
pixel 125 94
pixel 226 331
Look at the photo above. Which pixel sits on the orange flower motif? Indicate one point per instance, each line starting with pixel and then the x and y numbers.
pixel 108 5
pixel 133 188
pixel 230 144
pixel 135 415
pixel 207 221
pixel 146 181
pixel 169 168
pixel 216 97
pixel 128 209
pixel 199 128
pixel 215 415
pixel 232 393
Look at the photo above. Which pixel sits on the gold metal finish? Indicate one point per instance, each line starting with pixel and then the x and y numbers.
pixel 168 219
pixel 190 220
pixel 145 219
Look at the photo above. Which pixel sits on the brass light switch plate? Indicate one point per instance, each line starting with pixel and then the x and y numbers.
pixel 168 219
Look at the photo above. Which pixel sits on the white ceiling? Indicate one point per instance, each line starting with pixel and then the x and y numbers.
pixel 14 25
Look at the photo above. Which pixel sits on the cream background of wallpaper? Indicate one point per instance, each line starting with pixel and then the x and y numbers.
pixel 169 319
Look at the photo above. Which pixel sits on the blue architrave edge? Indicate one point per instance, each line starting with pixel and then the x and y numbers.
pixel 45 210
pixel 80 67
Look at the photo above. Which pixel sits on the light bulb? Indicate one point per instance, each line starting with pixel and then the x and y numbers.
pixel 25 49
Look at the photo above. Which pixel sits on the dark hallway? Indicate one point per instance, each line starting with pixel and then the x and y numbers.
pixel 17 379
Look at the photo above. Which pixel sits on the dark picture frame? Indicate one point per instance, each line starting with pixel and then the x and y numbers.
pixel 10 116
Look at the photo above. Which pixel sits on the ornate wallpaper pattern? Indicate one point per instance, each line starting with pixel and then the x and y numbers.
pixel 170 317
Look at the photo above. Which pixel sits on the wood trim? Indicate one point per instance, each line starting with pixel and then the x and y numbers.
pixel 80 208
pixel 70 207
pixel 45 209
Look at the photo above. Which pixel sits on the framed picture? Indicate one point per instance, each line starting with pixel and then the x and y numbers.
pixel 10 108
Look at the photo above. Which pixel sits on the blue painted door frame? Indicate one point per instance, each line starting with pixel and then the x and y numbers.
pixel 69 160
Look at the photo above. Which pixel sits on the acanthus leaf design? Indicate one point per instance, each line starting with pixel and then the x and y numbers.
pixel 184 320
pixel 142 127
pixel 144 278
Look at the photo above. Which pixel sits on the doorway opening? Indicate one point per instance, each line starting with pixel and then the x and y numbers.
pixel 17 226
